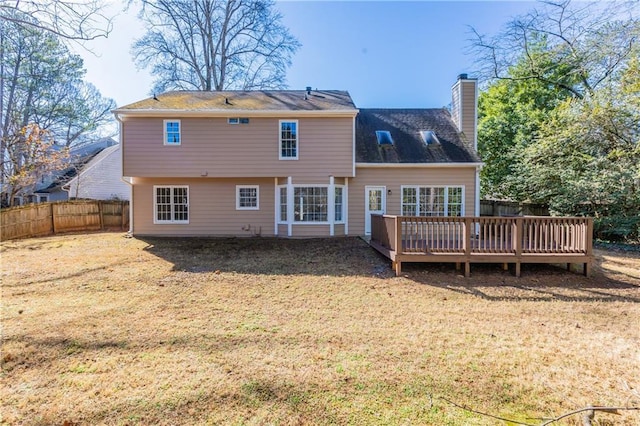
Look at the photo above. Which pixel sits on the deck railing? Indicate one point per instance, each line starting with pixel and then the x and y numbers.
pixel 486 237
pixel 417 234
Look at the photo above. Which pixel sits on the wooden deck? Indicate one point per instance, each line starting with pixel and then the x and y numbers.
pixel 467 240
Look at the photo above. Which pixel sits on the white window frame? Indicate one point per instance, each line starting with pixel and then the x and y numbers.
pixel 280 122
pixel 172 221
pixel 238 120
pixel 240 187
pixel 342 205
pixel 165 133
pixel 445 201
pixel 282 201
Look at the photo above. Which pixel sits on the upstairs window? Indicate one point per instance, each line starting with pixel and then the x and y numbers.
pixel 172 132
pixel 288 140
pixel 238 120
pixel 384 137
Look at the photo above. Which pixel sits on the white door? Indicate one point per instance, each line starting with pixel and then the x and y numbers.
pixel 375 203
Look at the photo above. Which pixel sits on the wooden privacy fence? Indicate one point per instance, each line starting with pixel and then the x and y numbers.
pixel 37 220
pixel 484 240
pixel 511 208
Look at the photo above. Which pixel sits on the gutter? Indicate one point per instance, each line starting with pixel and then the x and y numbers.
pixel 232 113
pixel 416 165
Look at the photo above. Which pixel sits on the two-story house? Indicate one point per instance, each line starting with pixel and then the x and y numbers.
pixel 294 163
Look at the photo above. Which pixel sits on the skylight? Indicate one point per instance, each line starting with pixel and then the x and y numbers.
pixel 429 137
pixel 384 137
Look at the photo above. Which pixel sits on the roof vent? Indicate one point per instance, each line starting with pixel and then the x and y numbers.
pixel 308 90
pixel 429 137
pixel 384 137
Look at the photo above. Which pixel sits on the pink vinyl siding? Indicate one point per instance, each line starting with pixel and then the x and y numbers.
pixel 394 178
pixel 212 208
pixel 211 147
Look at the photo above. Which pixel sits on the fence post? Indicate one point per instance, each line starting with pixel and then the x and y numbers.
pixel 53 219
pixel 122 215
pixel 100 212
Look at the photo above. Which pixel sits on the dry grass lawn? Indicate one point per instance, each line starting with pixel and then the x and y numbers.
pixel 103 329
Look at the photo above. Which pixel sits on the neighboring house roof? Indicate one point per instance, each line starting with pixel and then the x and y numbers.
pixel 96 160
pixel 405 126
pixel 78 157
pixel 261 101
pixel 100 178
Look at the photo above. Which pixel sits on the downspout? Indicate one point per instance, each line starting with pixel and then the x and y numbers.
pixel 477 206
pixel 277 203
pixel 345 200
pixel 290 209
pixel 123 178
pixel 331 206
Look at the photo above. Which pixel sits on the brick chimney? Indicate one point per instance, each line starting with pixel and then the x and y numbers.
pixel 464 107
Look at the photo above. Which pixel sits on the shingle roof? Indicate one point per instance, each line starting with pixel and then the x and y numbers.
pixel 260 100
pixel 408 146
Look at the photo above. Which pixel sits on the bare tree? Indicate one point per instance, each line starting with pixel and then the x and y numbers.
pixel 41 84
pixel 214 44
pixel 30 153
pixel 72 20
pixel 571 46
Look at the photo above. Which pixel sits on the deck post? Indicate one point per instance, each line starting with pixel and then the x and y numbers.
pixel 519 243
pixel 468 229
pixel 589 247
pixel 398 236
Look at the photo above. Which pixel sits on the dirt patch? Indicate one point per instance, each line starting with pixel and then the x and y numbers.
pixel 103 329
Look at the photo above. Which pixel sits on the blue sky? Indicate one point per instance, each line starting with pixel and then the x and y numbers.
pixel 385 53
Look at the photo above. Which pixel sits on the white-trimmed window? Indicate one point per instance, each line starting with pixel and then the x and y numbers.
pixel 311 204
pixel 432 200
pixel 283 204
pixel 339 204
pixel 172 132
pixel 247 197
pixel 288 139
pixel 238 120
pixel 171 204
